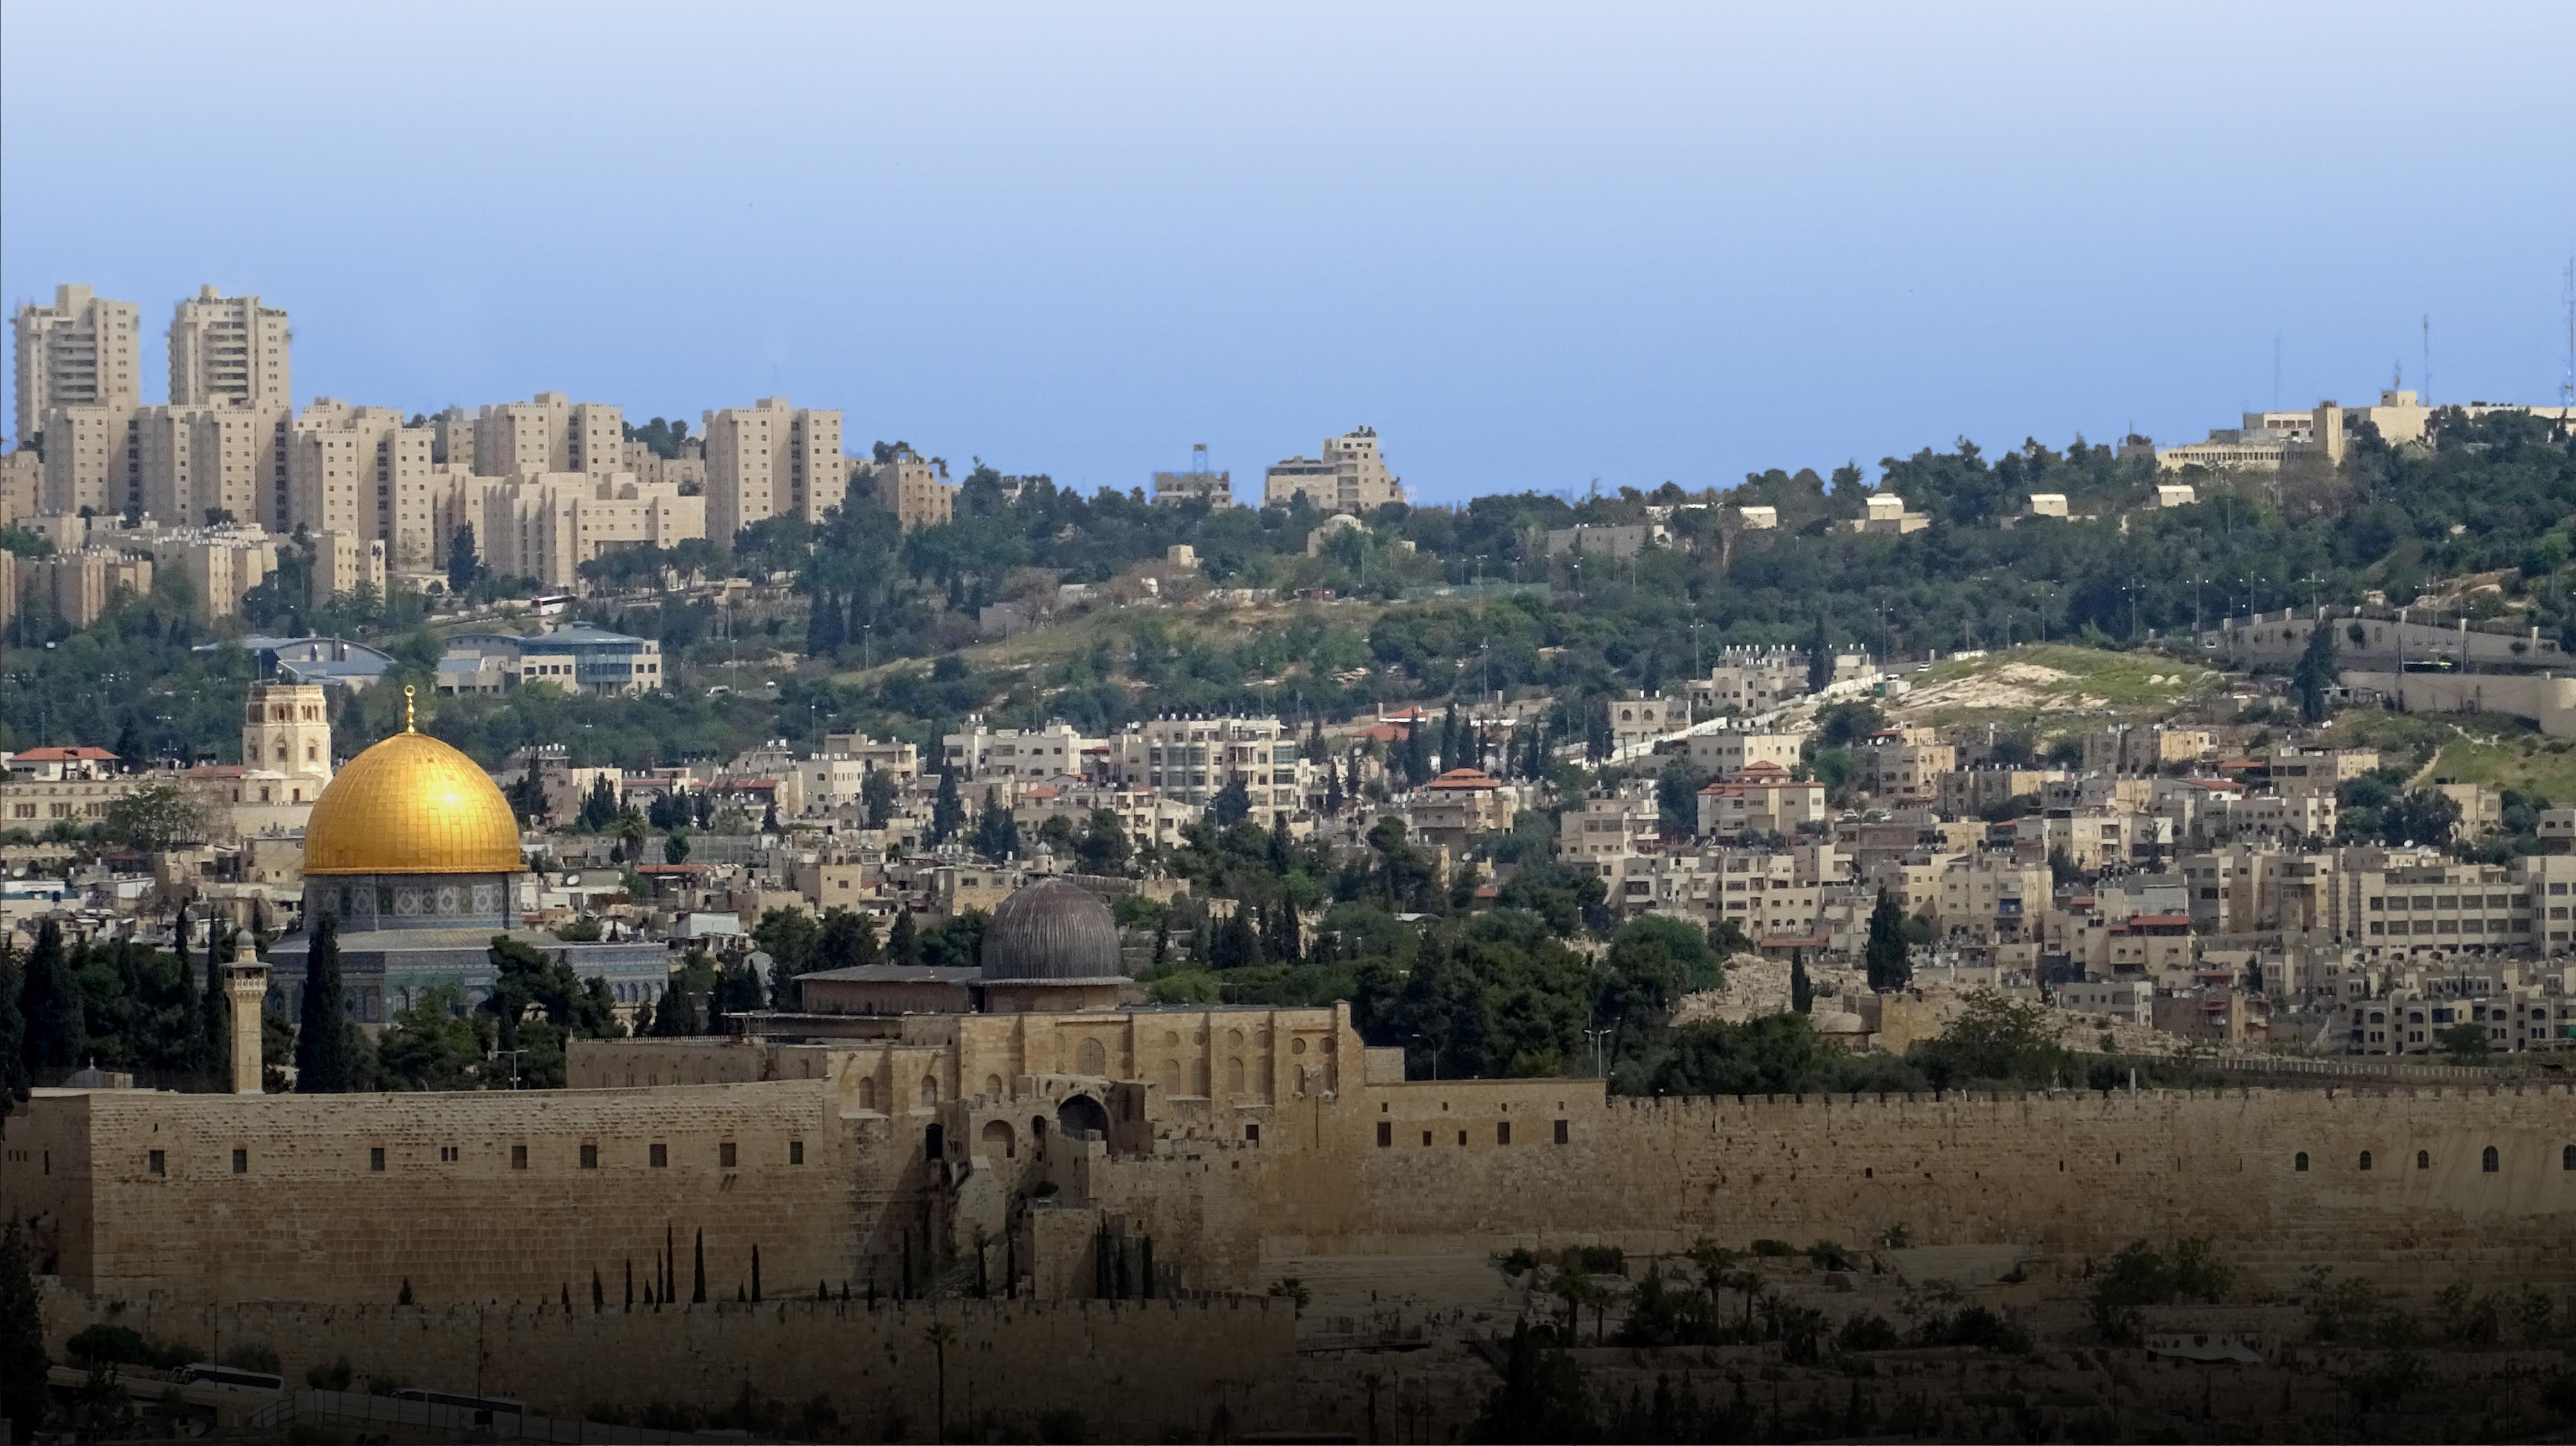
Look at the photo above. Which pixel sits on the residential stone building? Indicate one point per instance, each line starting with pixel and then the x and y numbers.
pixel 83 350
pixel 549 433
pixel 912 487
pixel 229 351
pixel 771 459
pixel 545 526
pixel 1351 476
pixel 1192 759
pixel 197 466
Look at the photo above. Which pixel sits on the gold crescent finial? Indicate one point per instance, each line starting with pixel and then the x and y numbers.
pixel 407 715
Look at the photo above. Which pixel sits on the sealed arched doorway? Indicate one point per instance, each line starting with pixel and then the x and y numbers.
pixel 1082 1115
pixel 997 1141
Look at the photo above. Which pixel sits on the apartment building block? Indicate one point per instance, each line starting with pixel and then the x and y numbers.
pixel 345 562
pixel 1893 766
pixel 979 754
pixel 914 488
pixel 1732 750
pixel 1761 799
pixel 229 351
pixel 546 525
pixel 1351 476
pixel 83 350
pixel 1640 719
pixel 220 564
pixel 771 459
pixel 88 460
pixel 80 585
pixel 1193 759
pixel 213 466
pixel 546 434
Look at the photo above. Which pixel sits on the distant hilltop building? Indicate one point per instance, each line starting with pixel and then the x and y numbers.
pixel 2268 439
pixel 1171 489
pixel 1351 476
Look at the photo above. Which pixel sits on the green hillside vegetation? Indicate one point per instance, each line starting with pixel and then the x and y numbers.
pixel 882 624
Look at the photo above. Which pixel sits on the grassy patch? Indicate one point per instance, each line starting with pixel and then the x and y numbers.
pixel 2006 686
pixel 2466 748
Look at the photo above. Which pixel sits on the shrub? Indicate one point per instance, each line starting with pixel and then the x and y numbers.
pixel 333 1377
pixel 1872 1332
pixel 1774 1249
pixel 109 1345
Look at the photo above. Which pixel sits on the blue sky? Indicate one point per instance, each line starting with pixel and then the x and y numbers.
pixel 1532 246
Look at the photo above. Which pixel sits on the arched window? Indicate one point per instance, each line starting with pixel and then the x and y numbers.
pixel 2487 1161
pixel 2423 1159
pixel 1091 1058
pixel 867 1094
pixel 1234 1076
pixel 933 1142
pixel 992 1088
pixel 2301 1163
pixel 2567 1158
pixel 2365 1159
pixel 997 1140
pixel 929 1091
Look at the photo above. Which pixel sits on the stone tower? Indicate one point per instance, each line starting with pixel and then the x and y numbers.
pixel 246 989
pixel 286 728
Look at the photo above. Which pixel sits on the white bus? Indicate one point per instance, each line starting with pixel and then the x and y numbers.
pixel 483 1407
pixel 207 1373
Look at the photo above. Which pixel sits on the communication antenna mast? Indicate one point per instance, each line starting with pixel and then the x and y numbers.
pixel 2276 371
pixel 2567 295
pixel 1198 459
pixel 2426 380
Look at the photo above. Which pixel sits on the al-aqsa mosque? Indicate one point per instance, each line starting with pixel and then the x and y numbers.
pixel 415 853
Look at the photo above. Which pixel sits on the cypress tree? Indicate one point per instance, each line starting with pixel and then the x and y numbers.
pixel 51 1003
pixel 698 1270
pixel 188 1009
pixel 321 1041
pixel 630 1283
pixel 23 1362
pixel 755 1272
pixel 215 1015
pixel 1886 952
pixel 903 943
pixel 1802 993
pixel 13 1032
pixel 598 1292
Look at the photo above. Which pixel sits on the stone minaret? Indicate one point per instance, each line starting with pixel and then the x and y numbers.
pixel 246 986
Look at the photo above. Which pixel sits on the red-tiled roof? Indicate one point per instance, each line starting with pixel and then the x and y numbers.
pixel 1468 778
pixel 77 753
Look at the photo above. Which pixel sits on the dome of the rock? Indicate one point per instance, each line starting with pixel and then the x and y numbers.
pixel 1052 929
pixel 411 805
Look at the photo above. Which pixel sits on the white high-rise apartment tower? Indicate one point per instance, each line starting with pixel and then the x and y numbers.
pixel 229 351
pixel 82 351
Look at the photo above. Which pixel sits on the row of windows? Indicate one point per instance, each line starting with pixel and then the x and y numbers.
pixel 2489 1161
pixel 1502 1134
pixel 657 1156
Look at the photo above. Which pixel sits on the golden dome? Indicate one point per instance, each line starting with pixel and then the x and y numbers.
pixel 411 805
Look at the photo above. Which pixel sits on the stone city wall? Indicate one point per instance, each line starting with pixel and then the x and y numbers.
pixel 1136 1370
pixel 499 1195
pixel 2067 1174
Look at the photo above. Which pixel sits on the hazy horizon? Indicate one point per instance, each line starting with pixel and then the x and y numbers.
pixel 1531 247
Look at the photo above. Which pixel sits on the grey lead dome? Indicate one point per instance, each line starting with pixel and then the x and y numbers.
pixel 1052 929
